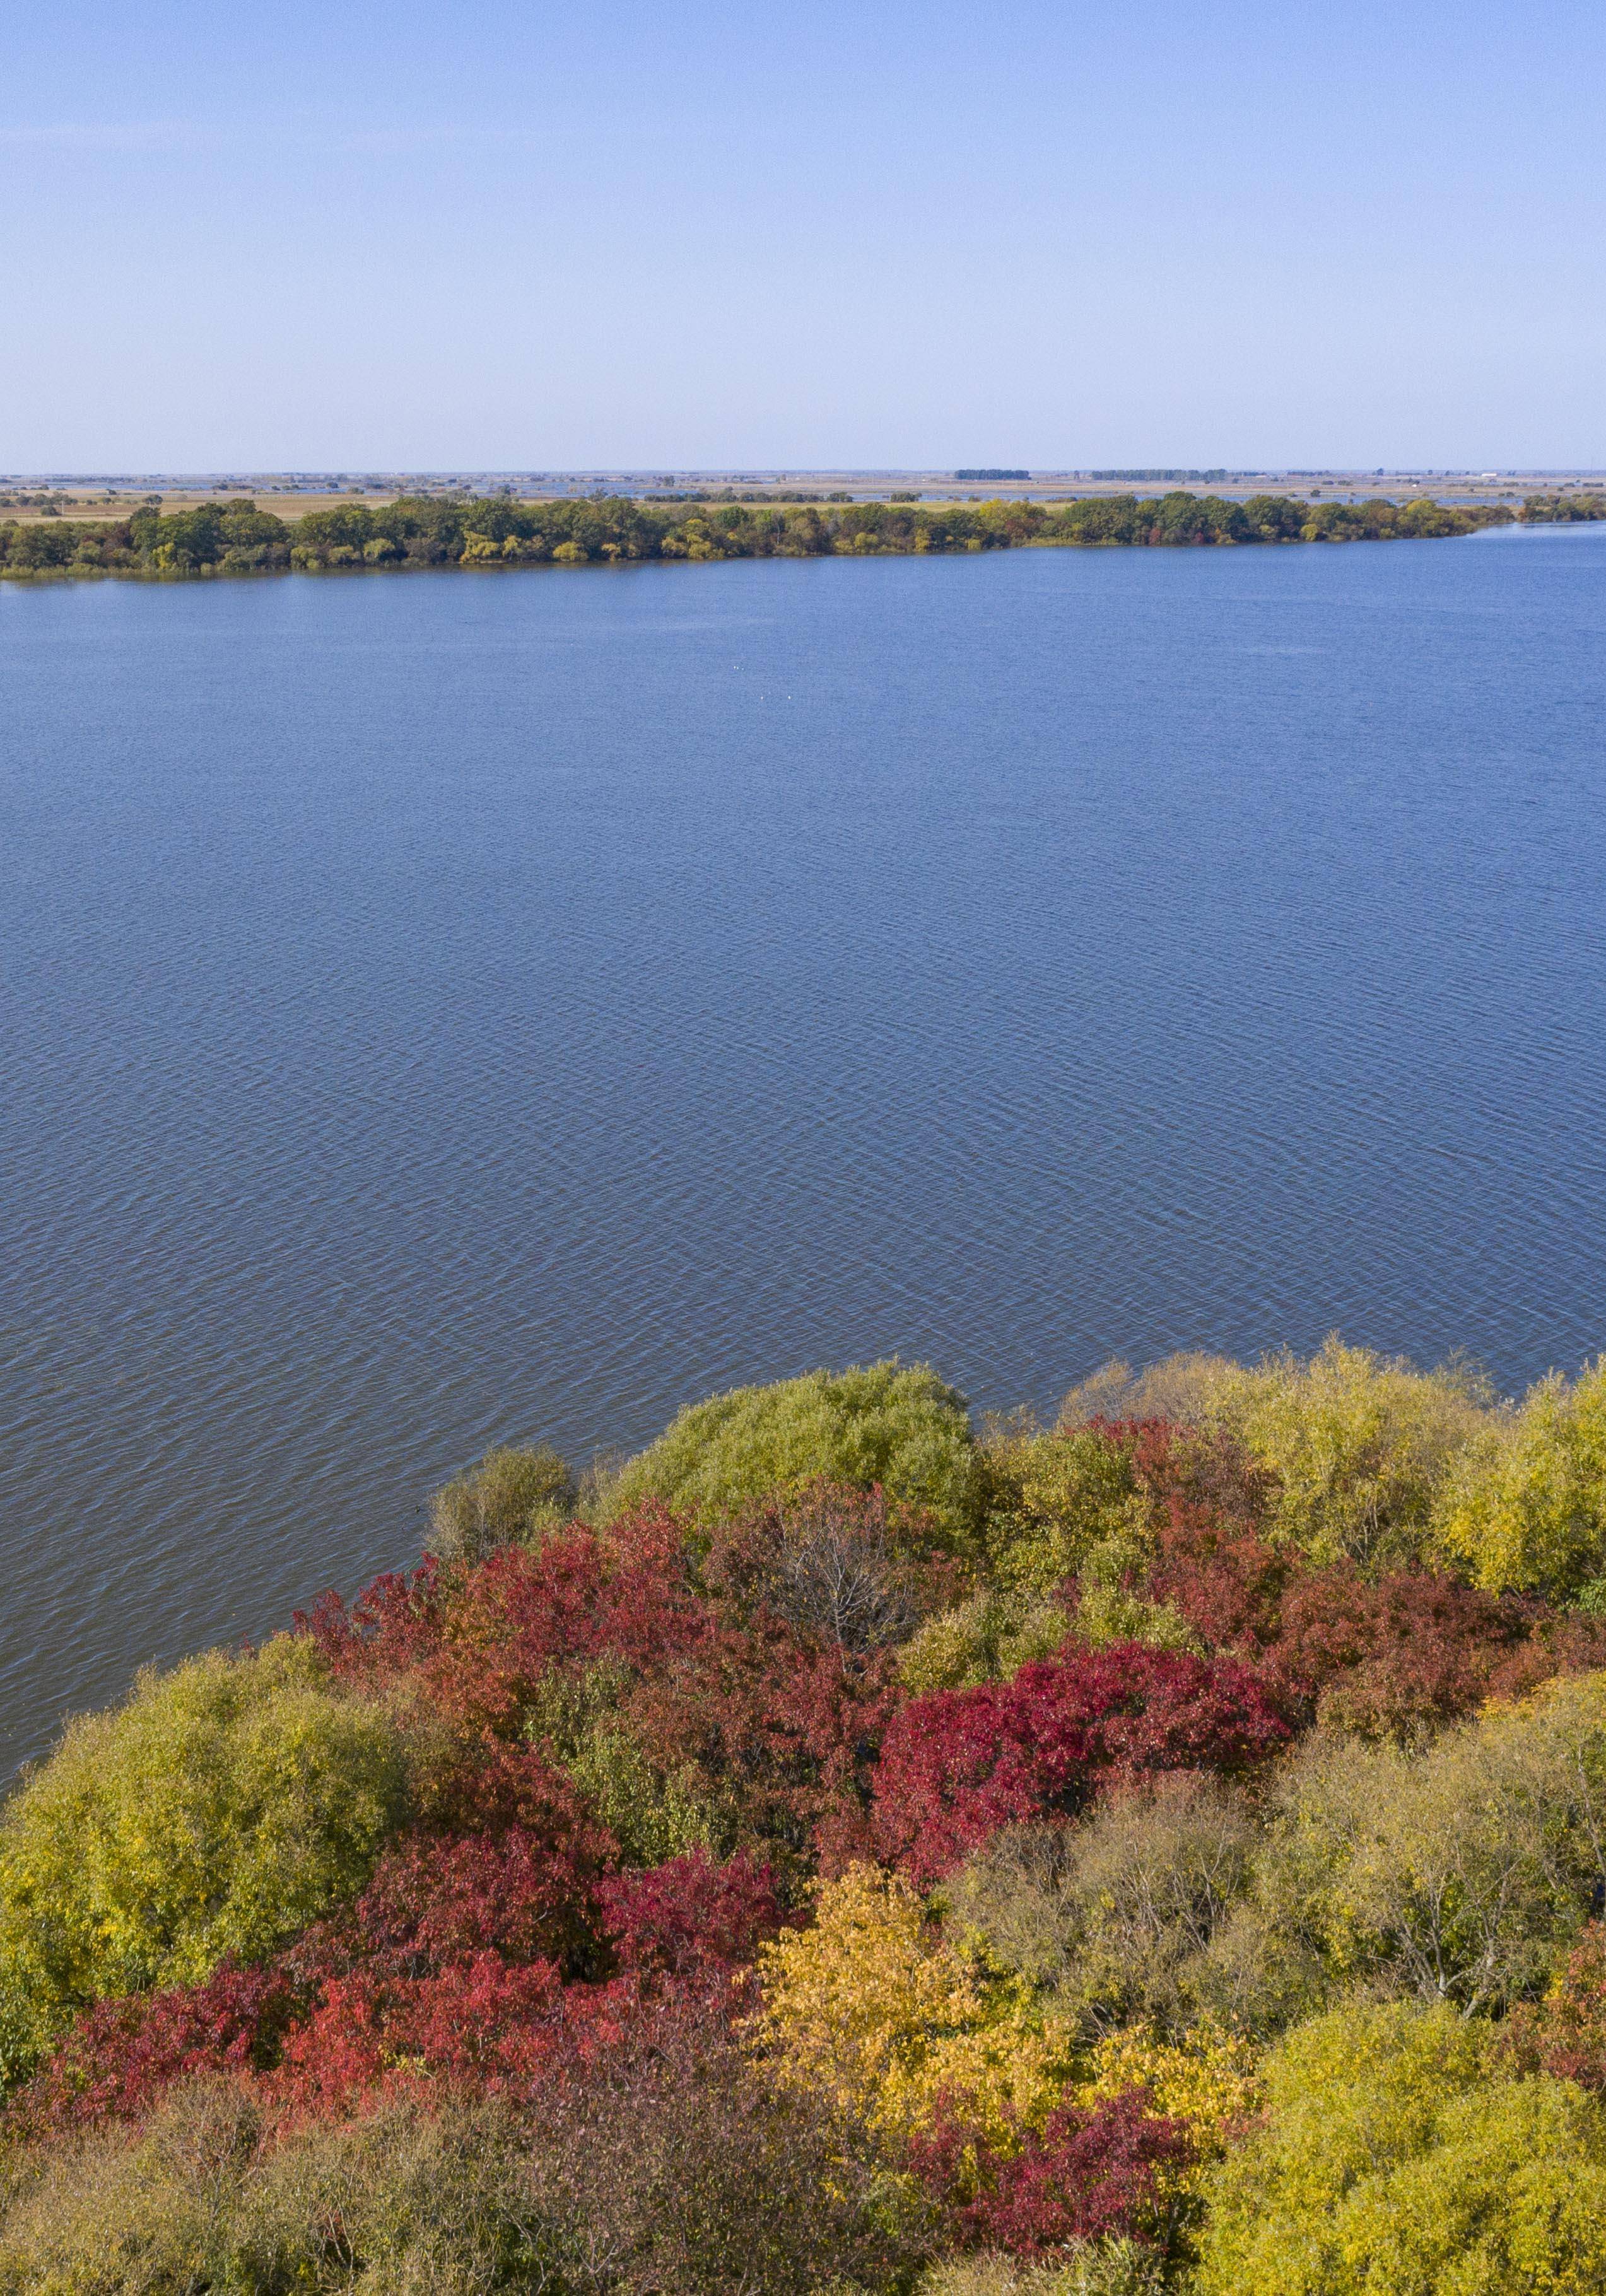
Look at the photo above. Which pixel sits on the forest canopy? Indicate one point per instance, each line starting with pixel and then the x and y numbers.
pixel 1159 1847
pixel 487 533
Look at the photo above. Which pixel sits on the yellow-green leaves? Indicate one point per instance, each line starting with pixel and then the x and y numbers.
pixel 883 1423
pixel 1361 1445
pixel 1394 2159
pixel 1528 1506
pixel 510 1498
pixel 1459 1873
pixel 222 1808
pixel 1070 1495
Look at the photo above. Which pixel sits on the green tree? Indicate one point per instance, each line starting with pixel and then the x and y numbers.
pixel 1394 2159
pixel 1459 1875
pixel 1362 1445
pixel 218 1810
pixel 1528 1506
pixel 510 1498
pixel 884 1422
pixel 1116 1917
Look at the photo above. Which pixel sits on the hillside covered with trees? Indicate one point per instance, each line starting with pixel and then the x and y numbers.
pixel 495 532
pixel 846 1850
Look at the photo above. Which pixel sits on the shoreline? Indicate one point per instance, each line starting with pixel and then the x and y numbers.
pixel 479 533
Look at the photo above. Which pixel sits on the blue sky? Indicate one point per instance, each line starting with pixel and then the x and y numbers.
pixel 688 234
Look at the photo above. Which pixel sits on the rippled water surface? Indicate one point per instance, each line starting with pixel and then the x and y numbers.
pixel 446 1008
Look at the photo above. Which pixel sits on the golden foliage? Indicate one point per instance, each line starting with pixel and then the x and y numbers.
pixel 871 2008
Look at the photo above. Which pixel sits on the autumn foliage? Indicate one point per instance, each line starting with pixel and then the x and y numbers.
pixel 958 1766
pixel 660 1867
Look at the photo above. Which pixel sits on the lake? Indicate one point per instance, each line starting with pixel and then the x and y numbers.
pixel 441 1009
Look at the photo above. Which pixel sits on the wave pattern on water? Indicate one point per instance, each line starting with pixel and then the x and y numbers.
pixel 446 1010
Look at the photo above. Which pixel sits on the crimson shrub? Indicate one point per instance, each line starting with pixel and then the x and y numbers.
pixel 957 1767
pixel 1089 2172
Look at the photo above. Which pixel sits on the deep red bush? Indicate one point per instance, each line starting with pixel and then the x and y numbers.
pixel 120 2054
pixel 1087 2173
pixel 434 1900
pixel 957 1767
pixel 1385 1657
pixel 1193 1477
pixel 1226 1583
pixel 480 2026
pixel 571 1603
pixel 1565 1643
pixel 485 1785
pixel 690 1915
pixel 476 1641
pixel 477 2024
pixel 391 1627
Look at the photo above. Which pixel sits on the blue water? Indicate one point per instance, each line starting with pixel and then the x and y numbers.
pixel 439 1009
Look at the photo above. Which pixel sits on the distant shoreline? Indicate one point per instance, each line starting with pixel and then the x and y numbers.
pixel 482 533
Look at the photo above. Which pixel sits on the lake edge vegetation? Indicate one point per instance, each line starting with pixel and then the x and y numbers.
pixel 491 533
pixel 845 1849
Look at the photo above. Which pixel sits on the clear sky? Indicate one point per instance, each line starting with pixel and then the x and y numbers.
pixel 683 233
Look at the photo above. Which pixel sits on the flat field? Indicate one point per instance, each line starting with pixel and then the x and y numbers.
pixel 21 498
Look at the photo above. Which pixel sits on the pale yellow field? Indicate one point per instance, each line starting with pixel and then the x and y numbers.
pixel 100 503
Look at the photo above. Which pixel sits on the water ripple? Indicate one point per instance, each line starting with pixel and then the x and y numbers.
pixel 438 1012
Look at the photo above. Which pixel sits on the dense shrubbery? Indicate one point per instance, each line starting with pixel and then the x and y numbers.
pixel 237 538
pixel 1163 1848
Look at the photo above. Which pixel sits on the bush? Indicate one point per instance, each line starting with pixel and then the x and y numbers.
pixel 662 2168
pixel 1568 2032
pixel 1395 1657
pixel 478 1648
pixel 1527 1507
pixel 508 1500
pixel 1117 2267
pixel 401 2202
pixel 1394 2161
pixel 215 1812
pixel 958 1766
pixel 689 1915
pixel 121 2056
pixel 1461 1876
pixel 1092 2171
pixel 1362 1446
pixel 672 2168
pixel 768 1740
pixel 838 1566
pixel 988 1638
pixel 651 1815
pixel 1065 1494
pixel 108 2214
pixel 1116 1916
pixel 872 2010
pixel 876 1424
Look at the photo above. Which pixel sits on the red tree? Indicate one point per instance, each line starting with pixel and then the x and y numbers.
pixel 120 2055
pixel 958 1766
pixel 1087 2173
pixel 690 1915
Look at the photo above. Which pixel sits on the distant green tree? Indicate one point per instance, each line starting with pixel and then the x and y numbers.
pixel 510 1498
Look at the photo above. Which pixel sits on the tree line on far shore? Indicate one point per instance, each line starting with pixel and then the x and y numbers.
pixel 481 532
